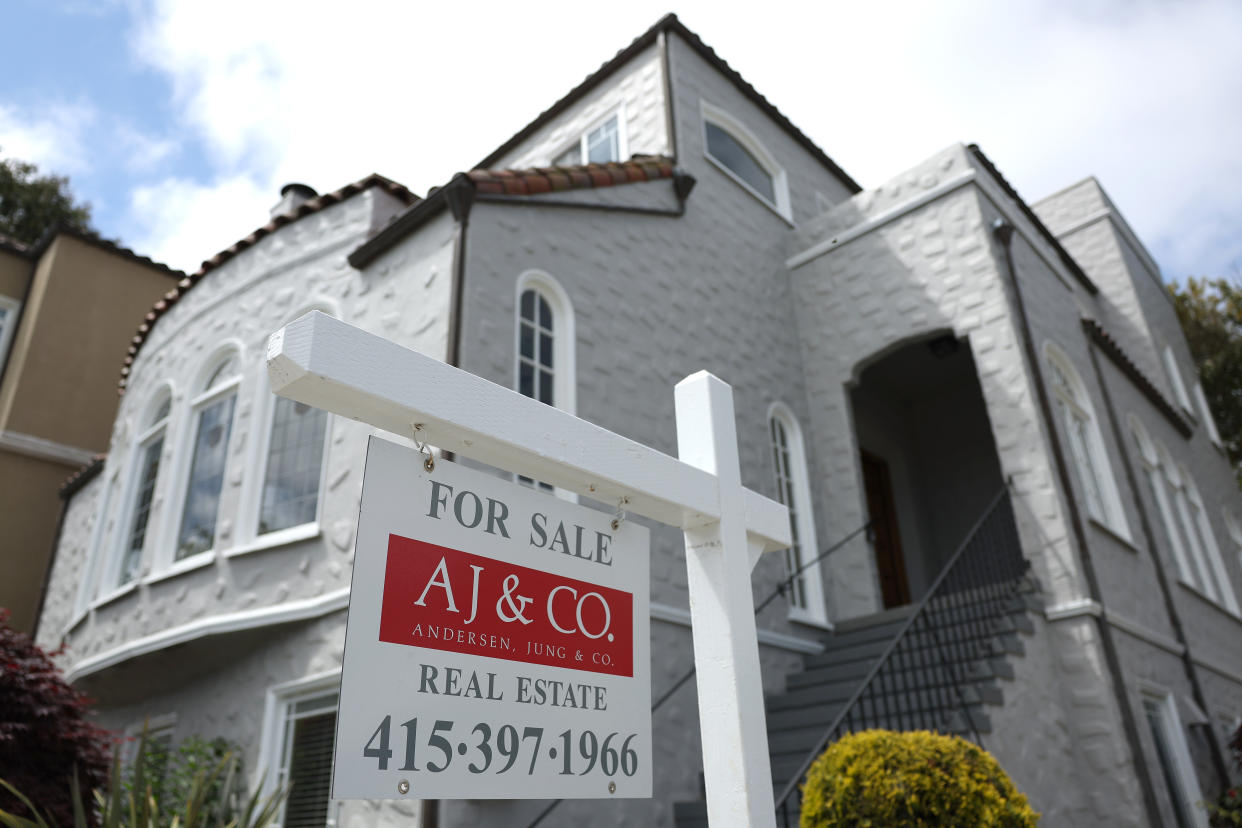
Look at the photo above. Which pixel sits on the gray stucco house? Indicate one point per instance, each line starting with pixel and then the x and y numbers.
pixel 993 385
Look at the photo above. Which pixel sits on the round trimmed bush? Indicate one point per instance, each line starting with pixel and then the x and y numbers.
pixel 884 779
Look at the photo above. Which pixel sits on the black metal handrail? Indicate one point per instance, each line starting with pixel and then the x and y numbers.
pixel 781 588
pixel 922 675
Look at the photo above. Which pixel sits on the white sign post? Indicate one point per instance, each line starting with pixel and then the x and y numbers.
pixel 332 365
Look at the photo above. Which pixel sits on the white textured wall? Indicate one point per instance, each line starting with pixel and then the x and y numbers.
pixel 636 90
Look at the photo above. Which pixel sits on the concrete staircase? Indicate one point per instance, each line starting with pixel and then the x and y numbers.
pixel 970 634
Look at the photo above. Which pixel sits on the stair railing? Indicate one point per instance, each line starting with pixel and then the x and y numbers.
pixel 950 631
pixel 782 587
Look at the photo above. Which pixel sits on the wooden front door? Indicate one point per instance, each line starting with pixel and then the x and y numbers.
pixel 890 564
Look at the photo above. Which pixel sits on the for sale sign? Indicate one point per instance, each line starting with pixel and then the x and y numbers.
pixel 497 643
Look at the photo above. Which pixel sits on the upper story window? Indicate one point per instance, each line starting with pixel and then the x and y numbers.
pixel 544 349
pixel 294 466
pixel 1085 443
pixel 145 474
pixel 602 143
pixel 1175 380
pixel 806 599
pixel 8 323
pixel 212 424
pixel 735 150
pixel 1206 413
pixel 1185 521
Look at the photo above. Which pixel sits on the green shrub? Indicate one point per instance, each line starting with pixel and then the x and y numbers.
pixel 213 799
pixel 882 779
pixel 1227 811
pixel 169 773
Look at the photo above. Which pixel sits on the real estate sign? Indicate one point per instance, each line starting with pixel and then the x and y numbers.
pixel 497 644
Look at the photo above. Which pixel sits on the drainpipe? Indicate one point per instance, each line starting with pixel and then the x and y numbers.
pixel 1175 620
pixel 1003 231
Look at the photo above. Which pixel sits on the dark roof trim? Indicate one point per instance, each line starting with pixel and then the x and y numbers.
pixel 666 24
pixel 1066 258
pixel 503 185
pixel 82 476
pixel 1113 351
pixel 40 247
pixel 314 205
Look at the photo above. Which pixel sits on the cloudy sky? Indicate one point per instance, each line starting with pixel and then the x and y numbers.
pixel 179 120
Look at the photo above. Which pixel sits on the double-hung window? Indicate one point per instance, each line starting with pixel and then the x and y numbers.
pixel 806 600
pixel 212 423
pixel 295 753
pixel 294 464
pixel 1086 446
pixel 1173 759
pixel 149 450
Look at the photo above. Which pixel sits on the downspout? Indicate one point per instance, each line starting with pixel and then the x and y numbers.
pixel 1002 230
pixel 1175 620
pixel 666 60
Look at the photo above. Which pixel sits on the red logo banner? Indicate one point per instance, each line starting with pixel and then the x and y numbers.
pixel 446 599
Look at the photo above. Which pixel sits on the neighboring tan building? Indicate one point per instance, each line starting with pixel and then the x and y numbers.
pixel 1000 390
pixel 68 308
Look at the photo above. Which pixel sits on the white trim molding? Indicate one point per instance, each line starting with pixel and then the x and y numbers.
pixel 41 449
pixel 287 612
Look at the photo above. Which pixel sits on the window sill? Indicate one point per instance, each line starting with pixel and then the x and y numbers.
pixel 797 615
pixel 1201 595
pixel 1114 534
pixel 114 595
pixel 183 566
pixel 282 537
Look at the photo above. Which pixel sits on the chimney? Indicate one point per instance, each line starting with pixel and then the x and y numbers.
pixel 292 196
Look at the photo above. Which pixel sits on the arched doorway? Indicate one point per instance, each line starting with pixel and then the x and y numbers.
pixel 928 458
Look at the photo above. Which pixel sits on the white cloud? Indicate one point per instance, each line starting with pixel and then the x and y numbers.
pixel 52 136
pixel 181 223
pixel 1142 94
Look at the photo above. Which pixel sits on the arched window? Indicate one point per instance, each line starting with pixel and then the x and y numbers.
pixel 1185 521
pixel 149 448
pixel 545 341
pixel 544 347
pixel 211 425
pixel 806 597
pixel 1086 446
pixel 735 149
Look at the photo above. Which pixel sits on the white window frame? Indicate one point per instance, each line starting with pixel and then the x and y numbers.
pixel 1075 404
pixel 740 133
pixel 13 307
pixel 92 580
pixel 251 506
pixel 1209 421
pixel 1188 530
pixel 816 611
pixel 564 368
pixel 1175 380
pixel 277 701
pixel 164 562
pixel 623 147
pixel 1234 528
pixel 129 499
pixel 1175 739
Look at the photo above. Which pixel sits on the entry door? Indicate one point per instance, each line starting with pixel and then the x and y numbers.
pixel 889 562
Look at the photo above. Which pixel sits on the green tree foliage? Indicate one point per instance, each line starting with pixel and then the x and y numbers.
pixel 31 203
pixel 910 780
pixel 45 737
pixel 1210 311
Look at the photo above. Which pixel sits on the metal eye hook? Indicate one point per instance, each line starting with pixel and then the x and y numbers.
pixel 429 462
pixel 619 517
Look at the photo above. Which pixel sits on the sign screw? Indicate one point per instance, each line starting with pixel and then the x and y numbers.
pixel 612 787
pixel 403 787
